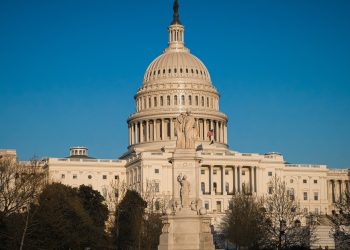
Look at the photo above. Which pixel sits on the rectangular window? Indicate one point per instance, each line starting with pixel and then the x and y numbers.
pixel 305 196
pixel 63 176
pixel 206 205
pixel 203 187
pixel 202 171
pixel 116 177
pixel 75 176
pixel 156 171
pixel 304 181
pixel 243 172
pixel 315 181
pixel 269 190
pixel 218 206
pixel 104 177
pixel 214 171
pixel 316 196
pixel 269 173
pixel 156 187
pixel 226 172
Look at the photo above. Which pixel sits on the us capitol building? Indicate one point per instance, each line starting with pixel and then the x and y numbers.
pixel 178 84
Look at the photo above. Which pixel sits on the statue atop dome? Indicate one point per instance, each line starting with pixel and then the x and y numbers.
pixel 186 131
pixel 176 17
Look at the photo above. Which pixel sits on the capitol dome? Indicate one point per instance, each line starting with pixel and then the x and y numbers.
pixel 177 64
pixel 176 82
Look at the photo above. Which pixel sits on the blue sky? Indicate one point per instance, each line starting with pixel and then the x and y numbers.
pixel 69 70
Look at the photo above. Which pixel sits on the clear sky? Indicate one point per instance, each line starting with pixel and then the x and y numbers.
pixel 69 70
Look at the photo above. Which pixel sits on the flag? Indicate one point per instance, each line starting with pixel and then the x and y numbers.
pixel 210 133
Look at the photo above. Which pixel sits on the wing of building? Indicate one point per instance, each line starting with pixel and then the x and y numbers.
pixel 177 82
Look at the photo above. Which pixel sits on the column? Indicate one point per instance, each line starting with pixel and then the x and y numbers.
pixel 225 132
pixel 216 135
pixel 163 129
pixel 141 131
pixel 234 174
pixel 255 184
pixel 133 133
pixel 222 179
pixel 333 194
pixel 340 191
pixel 238 179
pixel 129 129
pixel 154 130
pixel 206 122
pixel 172 135
pixel 210 178
pixel 250 179
pixel 147 131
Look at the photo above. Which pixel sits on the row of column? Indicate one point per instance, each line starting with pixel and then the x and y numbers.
pixel 237 186
pixel 163 129
pixel 338 189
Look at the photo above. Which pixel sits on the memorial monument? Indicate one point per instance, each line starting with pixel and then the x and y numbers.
pixel 186 223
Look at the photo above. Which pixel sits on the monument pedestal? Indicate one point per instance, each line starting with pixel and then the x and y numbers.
pixel 186 231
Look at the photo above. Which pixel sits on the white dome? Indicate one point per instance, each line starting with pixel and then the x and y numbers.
pixel 176 64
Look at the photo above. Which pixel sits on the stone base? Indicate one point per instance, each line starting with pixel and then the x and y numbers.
pixel 186 231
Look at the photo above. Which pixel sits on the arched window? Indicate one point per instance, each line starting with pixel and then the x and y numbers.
pixel 175 70
pixel 175 100
pixel 197 103
pixel 155 101
pixel 182 100
pixel 161 101
pixel 149 102
pixel 190 100
pixel 208 102
pixel 181 70
pixel 168 100
pixel 202 101
pixel 169 71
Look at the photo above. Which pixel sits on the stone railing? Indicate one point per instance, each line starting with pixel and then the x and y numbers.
pixel 306 166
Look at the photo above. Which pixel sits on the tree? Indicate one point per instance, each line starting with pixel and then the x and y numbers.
pixel 129 221
pixel 62 221
pixel 341 222
pixel 242 223
pixel 283 220
pixel 20 184
pixel 92 201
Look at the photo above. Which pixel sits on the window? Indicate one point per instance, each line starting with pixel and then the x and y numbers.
pixel 305 196
pixel 75 176
pixel 156 187
pixel 202 171
pixel 149 102
pixel 175 100
pixel 203 187
pixel 190 100
pixel 315 181
pixel 269 190
pixel 208 102
pixel 226 172
pixel 89 176
pixel 215 186
pixel 196 100
pixel 243 172
pixel 104 177
pixel 116 177
pixel 269 173
pixel 63 176
pixel 316 196
pixel 168 100
pixel 218 206
pixel 206 205
pixel 304 181
pixel 156 171
pixel 161 101
pixel 155 101
pixel 202 101
pixel 182 100
pixel 214 171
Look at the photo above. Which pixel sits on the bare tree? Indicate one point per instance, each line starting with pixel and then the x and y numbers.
pixel 341 222
pixel 284 219
pixel 20 184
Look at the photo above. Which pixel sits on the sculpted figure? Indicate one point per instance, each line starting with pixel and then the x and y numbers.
pixel 184 190
pixel 179 128
pixel 186 131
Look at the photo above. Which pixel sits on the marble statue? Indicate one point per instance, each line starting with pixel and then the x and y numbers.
pixel 184 191
pixel 186 131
